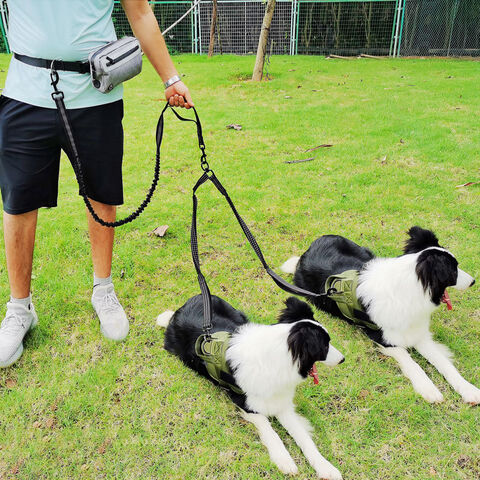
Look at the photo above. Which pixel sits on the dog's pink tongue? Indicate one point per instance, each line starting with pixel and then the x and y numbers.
pixel 446 299
pixel 313 373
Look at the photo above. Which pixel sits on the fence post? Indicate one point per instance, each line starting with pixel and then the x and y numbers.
pixel 392 41
pixel 400 13
pixel 401 27
pixel 293 30
pixel 199 23
pixel 297 26
pixel 196 26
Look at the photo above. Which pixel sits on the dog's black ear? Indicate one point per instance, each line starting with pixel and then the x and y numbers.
pixel 419 240
pixel 294 311
pixel 308 343
pixel 436 271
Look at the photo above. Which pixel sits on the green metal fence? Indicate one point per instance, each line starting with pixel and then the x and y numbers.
pixel 315 27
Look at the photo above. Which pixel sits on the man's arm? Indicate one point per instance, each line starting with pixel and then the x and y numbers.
pixel 146 29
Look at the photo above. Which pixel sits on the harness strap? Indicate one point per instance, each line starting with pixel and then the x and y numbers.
pixel 79 67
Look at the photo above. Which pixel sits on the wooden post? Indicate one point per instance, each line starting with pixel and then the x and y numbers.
pixel 212 29
pixel 262 41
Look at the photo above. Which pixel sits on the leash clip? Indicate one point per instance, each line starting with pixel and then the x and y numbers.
pixel 56 94
pixel 54 77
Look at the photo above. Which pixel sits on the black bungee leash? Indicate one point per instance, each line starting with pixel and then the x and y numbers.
pixel 58 97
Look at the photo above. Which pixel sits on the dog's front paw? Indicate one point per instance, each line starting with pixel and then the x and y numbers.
pixel 286 465
pixel 470 394
pixel 328 472
pixel 432 394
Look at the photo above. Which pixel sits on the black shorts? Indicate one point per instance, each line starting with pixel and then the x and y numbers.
pixel 31 140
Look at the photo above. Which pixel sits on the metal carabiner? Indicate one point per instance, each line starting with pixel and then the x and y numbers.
pixel 54 77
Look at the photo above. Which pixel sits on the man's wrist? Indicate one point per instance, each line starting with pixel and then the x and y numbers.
pixel 172 80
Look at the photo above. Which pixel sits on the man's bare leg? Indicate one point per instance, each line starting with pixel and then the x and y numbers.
pixel 113 320
pixel 101 238
pixel 19 234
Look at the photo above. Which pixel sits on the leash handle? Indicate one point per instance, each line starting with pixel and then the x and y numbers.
pixel 58 97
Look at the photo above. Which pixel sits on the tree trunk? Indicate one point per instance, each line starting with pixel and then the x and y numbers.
pixel 262 41
pixel 212 29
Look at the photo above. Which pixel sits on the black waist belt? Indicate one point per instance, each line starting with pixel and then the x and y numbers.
pixel 79 67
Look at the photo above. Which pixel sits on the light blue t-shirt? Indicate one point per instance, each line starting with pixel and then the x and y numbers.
pixel 63 30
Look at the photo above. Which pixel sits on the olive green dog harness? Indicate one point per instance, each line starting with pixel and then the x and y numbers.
pixel 342 289
pixel 212 351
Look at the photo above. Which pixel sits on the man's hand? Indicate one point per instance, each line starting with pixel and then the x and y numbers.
pixel 178 95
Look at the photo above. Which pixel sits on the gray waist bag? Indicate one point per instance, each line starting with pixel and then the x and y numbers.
pixel 114 63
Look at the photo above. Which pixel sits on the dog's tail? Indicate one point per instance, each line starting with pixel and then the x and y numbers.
pixel 164 318
pixel 290 265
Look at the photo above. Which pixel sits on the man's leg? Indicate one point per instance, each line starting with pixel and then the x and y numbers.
pixel 19 234
pixel 29 168
pixel 101 238
pixel 99 138
pixel 113 320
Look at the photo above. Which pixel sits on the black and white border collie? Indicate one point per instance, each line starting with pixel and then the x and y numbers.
pixel 399 295
pixel 267 363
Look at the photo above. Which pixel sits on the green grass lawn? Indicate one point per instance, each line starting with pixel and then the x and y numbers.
pixel 404 134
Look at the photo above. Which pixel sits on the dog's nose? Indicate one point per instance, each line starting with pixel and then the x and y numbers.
pixel 341 361
pixel 473 283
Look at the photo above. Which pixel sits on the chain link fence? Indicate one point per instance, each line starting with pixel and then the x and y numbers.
pixel 345 28
pixel 315 27
pixel 441 27
pixel 239 24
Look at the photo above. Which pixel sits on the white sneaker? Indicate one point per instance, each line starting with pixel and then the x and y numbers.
pixel 17 322
pixel 112 316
